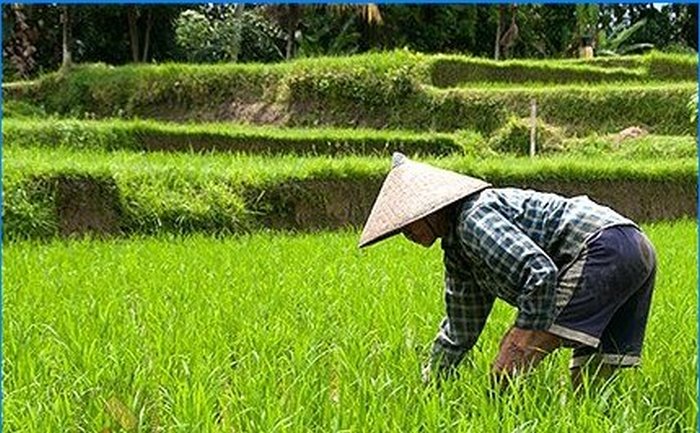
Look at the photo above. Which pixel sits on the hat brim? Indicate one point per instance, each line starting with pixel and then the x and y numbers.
pixel 410 192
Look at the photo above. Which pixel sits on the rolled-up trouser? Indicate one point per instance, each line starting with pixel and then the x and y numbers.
pixel 603 298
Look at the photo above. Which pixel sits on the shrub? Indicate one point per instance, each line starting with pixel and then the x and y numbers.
pixel 210 33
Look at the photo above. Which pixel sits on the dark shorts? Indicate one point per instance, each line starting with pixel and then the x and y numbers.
pixel 603 298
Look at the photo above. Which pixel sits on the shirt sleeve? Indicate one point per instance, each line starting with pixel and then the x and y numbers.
pixel 467 309
pixel 511 256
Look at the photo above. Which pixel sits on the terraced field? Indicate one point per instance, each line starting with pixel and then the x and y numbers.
pixel 168 309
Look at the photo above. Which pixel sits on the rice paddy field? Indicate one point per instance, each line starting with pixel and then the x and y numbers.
pixel 271 332
pixel 148 285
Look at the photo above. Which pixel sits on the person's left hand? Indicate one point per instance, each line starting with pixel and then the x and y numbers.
pixel 521 350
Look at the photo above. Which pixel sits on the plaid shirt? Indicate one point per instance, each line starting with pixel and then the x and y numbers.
pixel 511 244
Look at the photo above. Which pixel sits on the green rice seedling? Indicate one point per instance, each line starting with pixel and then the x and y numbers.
pixel 282 332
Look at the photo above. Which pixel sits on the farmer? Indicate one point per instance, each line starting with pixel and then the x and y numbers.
pixel 579 274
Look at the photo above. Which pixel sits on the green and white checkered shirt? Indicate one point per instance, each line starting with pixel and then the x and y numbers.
pixel 511 244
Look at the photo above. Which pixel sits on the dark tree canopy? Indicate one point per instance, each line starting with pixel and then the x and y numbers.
pixel 118 34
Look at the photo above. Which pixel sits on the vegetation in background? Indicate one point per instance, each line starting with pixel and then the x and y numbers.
pixel 25 131
pixel 121 34
pixel 140 135
pixel 382 90
pixel 211 33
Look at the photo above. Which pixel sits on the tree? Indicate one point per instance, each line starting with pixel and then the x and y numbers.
pixel 211 33
pixel 20 41
pixel 289 17
pixel 617 42
pixel 508 39
pixel 67 37
pixel 499 30
pixel 586 24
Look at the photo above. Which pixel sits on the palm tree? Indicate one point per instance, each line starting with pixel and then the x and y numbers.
pixel 288 17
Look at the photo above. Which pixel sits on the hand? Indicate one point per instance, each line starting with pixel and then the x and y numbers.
pixel 521 350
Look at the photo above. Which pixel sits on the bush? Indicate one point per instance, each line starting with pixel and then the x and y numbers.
pixel 210 33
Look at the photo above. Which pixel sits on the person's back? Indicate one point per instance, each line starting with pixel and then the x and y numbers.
pixel 559 225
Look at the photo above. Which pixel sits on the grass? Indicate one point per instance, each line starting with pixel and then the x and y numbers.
pixel 223 193
pixel 379 90
pixel 146 135
pixel 256 169
pixel 273 332
pixel 150 135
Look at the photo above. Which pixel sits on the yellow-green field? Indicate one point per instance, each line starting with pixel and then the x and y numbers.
pixel 271 332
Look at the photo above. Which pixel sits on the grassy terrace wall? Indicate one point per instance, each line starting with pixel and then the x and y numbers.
pixel 397 90
pixel 64 192
pixel 122 177
pixel 150 136
pixel 172 137
pixel 453 70
pixel 605 109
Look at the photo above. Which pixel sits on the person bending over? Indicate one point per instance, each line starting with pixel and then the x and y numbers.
pixel 580 274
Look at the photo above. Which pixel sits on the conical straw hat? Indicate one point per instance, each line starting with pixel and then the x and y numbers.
pixel 411 191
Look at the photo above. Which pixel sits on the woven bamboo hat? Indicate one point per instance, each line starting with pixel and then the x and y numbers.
pixel 411 191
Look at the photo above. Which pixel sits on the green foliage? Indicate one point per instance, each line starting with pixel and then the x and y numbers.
pixel 389 90
pixel 28 208
pixel 197 331
pixel 603 109
pixel 172 201
pixel 648 146
pixel 223 193
pixel 193 33
pixel 210 33
pixel 449 71
pixel 514 137
pixel 164 91
pixel 14 109
pixel 616 42
pixel 672 67
pixel 260 38
pixel 75 134
pixel 154 136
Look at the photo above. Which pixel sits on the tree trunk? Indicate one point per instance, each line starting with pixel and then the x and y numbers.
pixel 67 38
pixel 133 16
pixel 237 14
pixel 499 29
pixel 293 17
pixel 147 36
